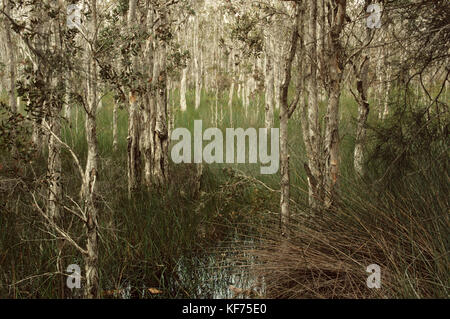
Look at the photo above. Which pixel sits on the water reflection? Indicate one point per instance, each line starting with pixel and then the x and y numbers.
pixel 225 273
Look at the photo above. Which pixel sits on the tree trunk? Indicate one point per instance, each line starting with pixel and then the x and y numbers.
pixel 11 54
pixel 183 104
pixel 269 83
pixel 133 151
pixel 149 112
pixel 313 169
pixel 363 113
pixel 197 65
pixel 335 67
pixel 284 117
pixel 277 78
pixel 361 74
pixel 386 83
pixel 114 125
pixel 160 136
pixel 231 94
pixel 89 188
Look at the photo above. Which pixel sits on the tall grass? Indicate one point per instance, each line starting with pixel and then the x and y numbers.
pixel 159 240
pixel 397 217
pixel 142 240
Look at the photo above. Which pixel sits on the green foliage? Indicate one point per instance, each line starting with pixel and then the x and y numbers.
pixel 412 139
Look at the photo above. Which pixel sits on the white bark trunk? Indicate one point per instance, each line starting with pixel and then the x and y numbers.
pixel 133 151
pixel 114 125
pixel 314 168
pixel 231 94
pixel 160 137
pixel 11 53
pixel 269 83
pixel 89 188
pixel 332 141
pixel 362 73
pixel 197 65
pixel 149 107
pixel 183 104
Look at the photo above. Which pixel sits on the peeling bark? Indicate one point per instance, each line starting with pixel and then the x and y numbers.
pixel 314 138
pixel 89 188
pixel 335 67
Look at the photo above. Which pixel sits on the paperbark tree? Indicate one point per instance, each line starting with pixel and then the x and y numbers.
pixel 361 72
pixel 269 86
pixel 286 111
pixel 183 104
pixel 89 187
pixel 313 140
pixel 335 65
pixel 149 112
pixel 133 138
pixel 385 75
pixel 322 169
pixel 11 54
pixel 363 113
pixel 197 63
pixel 114 125
pixel 160 135
pixel 232 86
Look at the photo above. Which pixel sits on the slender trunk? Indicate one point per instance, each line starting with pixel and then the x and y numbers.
pixel 269 83
pixel 171 108
pixel 361 74
pixel 277 79
pixel 284 117
pixel 55 189
pixel 335 66
pixel 149 108
pixel 89 188
pixel 246 95
pixel 239 89
pixel 38 134
pixel 386 84
pixel 197 66
pixel 66 110
pixel 11 54
pixel 363 113
pixel 161 141
pixel 183 104
pixel 231 94
pixel 313 168
pixel 114 125
pixel 133 151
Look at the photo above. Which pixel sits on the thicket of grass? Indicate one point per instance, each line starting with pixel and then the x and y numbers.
pixel 396 217
pixel 142 240
pixel 399 221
